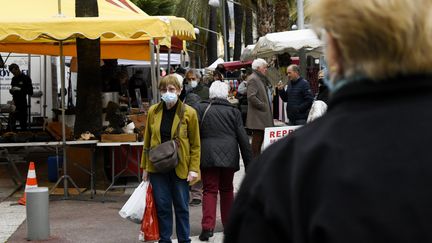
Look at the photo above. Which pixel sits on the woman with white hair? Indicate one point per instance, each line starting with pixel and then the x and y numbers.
pixel 363 171
pixel 222 133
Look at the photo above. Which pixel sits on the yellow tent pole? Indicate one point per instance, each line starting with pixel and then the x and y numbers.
pixel 62 94
pixel 158 72
pixel 169 61
pixel 155 94
pixel 59 7
pixel 28 97
pixel 65 176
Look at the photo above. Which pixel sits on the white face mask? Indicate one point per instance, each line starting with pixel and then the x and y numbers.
pixel 169 97
pixel 194 83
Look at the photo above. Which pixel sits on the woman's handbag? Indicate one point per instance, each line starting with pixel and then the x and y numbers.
pixel 164 156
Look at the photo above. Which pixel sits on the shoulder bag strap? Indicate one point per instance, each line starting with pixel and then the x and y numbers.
pixel 205 112
pixel 180 122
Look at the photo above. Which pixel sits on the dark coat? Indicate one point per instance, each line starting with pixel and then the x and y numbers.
pixel 323 93
pixel 259 108
pixel 201 90
pixel 299 98
pixel 24 83
pixel 222 133
pixel 360 173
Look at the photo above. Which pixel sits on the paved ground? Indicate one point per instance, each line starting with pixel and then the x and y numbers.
pixel 11 218
pixel 87 220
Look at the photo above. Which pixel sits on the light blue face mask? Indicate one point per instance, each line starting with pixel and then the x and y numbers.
pixel 333 85
pixel 327 81
pixel 169 97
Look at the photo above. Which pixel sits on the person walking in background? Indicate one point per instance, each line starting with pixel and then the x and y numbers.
pixel 362 172
pixel 222 133
pixel 259 97
pixel 172 188
pixel 124 96
pixel 297 95
pixel 193 78
pixel 323 90
pixel 217 76
pixel 137 82
pixel 197 92
pixel 21 86
pixel 242 94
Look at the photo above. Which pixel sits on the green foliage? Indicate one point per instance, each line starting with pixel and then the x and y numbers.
pixel 156 7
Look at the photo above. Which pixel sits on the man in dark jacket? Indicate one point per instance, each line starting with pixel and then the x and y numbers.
pixel 21 86
pixel 298 96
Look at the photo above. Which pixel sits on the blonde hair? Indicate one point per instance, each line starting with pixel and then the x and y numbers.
pixel 378 38
pixel 170 80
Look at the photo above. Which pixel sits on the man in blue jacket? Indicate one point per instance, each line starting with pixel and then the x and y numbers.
pixel 297 95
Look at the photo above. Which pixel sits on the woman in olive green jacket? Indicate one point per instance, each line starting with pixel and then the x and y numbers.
pixel 172 188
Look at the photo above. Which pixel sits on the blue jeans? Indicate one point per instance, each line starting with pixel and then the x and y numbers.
pixel 169 190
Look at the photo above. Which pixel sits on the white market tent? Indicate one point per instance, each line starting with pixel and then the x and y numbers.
pixel 213 66
pixel 287 42
pixel 247 53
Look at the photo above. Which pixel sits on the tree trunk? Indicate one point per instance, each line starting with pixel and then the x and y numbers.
pixel 248 27
pixel 282 23
pixel 212 38
pixel 238 24
pixel 227 29
pixel 89 87
pixel 265 17
pixel 281 16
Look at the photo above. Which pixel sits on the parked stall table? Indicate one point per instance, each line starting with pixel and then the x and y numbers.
pixel 11 160
pixel 115 175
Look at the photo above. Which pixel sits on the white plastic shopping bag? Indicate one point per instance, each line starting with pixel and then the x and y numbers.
pixel 318 109
pixel 135 205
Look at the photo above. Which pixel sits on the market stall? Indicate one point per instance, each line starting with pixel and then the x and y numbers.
pixel 284 42
pixel 53 29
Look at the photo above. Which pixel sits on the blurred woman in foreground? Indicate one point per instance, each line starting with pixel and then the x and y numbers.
pixel 362 172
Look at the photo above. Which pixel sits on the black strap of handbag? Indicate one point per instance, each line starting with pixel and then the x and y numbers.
pixel 176 135
pixel 182 111
pixel 205 112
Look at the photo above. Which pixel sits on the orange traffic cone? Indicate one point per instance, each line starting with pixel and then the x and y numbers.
pixel 31 182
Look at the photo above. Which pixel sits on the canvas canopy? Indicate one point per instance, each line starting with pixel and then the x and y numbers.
pixel 247 53
pixel 287 42
pixel 230 66
pixel 125 31
pixel 213 66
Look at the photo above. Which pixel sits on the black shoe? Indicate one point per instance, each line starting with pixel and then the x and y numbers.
pixel 195 202
pixel 205 235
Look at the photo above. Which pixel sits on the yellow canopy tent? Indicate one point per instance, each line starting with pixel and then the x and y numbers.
pixel 43 27
pixel 125 30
